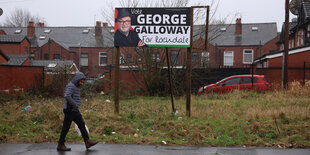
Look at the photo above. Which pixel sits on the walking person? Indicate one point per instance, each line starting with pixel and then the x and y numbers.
pixel 72 113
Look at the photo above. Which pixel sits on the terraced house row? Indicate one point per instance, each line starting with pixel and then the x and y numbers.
pixel 92 48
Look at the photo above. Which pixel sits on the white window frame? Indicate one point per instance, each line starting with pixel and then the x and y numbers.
pixel 174 58
pixel 121 59
pixel 225 58
pixel 205 58
pixel 82 61
pixel 244 53
pixel 106 55
pixel 194 57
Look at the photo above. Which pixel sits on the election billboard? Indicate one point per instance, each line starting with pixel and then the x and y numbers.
pixel 152 27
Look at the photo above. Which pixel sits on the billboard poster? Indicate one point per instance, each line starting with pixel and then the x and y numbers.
pixel 152 27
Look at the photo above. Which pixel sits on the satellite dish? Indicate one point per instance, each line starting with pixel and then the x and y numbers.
pixel 295 6
pixel 1 11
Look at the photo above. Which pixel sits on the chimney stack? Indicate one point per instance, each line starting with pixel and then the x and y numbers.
pixel 238 26
pixel 41 24
pixel 30 29
pixel 104 24
pixel 98 29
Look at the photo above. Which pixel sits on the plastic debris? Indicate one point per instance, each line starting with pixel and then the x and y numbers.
pixel 164 142
pixel 108 101
pixel 247 122
pixel 102 93
pixel 78 130
pixel 27 109
pixel 176 112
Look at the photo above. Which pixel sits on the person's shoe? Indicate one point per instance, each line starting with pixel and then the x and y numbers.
pixel 90 143
pixel 62 147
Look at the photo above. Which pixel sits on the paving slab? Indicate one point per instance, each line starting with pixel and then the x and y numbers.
pixel 123 149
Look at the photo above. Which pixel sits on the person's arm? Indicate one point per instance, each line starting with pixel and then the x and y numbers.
pixel 68 96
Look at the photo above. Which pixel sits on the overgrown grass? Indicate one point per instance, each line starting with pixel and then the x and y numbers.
pixel 236 119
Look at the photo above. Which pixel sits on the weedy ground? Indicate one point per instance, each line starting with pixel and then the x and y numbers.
pixel 271 119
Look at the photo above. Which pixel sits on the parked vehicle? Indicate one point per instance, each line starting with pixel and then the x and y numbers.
pixel 237 82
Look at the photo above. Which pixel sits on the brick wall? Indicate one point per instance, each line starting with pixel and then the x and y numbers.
pixel 130 81
pixel 16 48
pixel 238 55
pixel 93 68
pixel 270 46
pixel 51 48
pixel 3 60
pixel 296 71
pixel 20 78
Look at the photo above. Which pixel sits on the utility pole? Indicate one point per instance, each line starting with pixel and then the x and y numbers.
pixel 285 67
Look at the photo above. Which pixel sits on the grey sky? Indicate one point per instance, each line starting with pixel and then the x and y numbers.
pixel 86 12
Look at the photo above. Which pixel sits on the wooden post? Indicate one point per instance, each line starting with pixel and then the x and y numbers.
pixel 304 80
pixel 286 40
pixel 116 82
pixel 189 58
pixel 207 29
pixel 189 69
pixel 170 80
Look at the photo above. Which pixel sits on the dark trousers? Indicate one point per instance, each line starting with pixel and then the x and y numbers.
pixel 78 119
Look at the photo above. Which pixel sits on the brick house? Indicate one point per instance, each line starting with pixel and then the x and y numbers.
pixel 15 43
pixel 89 47
pixel 270 64
pixel 237 45
pixel 92 48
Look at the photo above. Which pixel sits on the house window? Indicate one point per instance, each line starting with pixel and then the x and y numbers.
pixel 205 57
pixel 247 56
pixel 103 58
pixel 56 56
pixel 265 65
pixel 46 57
pixel 194 56
pixel 26 50
pixel 174 58
pixel 228 58
pixel 122 59
pixel 138 57
pixel 155 56
pixel 84 59
pixel 129 58
pixel 300 38
pixel 308 31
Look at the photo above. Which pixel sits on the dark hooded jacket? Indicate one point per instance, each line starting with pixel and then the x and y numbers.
pixel 72 92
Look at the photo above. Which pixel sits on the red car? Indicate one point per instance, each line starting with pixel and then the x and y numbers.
pixel 240 82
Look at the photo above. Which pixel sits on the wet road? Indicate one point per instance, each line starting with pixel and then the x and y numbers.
pixel 117 149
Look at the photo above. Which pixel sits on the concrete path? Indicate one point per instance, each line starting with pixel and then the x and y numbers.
pixel 119 149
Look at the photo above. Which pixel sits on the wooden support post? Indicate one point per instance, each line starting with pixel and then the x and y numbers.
pixel 170 80
pixel 116 81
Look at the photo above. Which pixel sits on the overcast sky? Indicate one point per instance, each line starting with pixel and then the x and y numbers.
pixel 86 12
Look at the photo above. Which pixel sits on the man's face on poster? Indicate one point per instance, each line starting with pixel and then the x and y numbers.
pixel 124 24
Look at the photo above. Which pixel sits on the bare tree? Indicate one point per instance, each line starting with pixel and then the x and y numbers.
pixel 20 18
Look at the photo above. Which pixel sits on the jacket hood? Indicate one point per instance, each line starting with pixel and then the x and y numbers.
pixel 77 77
